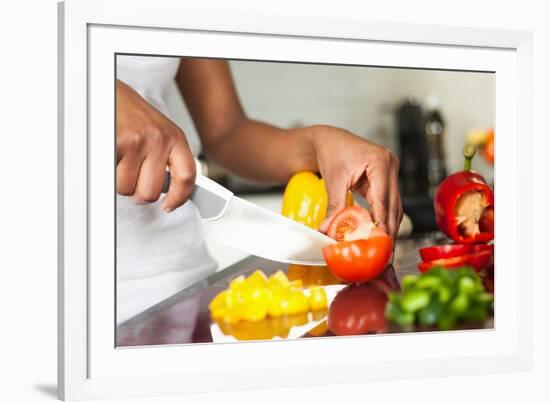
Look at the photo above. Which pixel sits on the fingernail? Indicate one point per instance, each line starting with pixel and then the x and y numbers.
pixel 166 209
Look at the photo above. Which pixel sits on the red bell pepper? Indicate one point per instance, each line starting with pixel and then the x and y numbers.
pixel 444 251
pixel 478 261
pixel 463 205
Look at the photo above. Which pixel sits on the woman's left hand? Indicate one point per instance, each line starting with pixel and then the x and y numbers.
pixel 348 162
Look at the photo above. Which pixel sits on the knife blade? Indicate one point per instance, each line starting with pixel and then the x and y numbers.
pixel 234 222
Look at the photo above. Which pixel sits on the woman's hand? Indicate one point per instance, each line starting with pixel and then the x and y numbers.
pixel 147 142
pixel 347 162
pixel 262 152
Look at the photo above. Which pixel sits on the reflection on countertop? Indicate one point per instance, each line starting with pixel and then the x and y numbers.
pixel 185 318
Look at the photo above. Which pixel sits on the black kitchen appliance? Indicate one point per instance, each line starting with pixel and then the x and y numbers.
pixel 418 156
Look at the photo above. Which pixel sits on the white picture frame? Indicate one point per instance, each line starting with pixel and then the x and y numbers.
pixel 92 32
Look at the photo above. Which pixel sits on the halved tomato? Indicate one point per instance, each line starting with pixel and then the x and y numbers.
pixel 452 250
pixel 359 260
pixel 363 249
pixel 353 223
pixel 478 261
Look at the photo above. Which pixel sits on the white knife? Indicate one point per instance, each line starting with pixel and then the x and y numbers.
pixel 231 221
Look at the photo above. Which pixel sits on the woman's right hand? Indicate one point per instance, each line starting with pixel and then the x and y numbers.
pixel 147 142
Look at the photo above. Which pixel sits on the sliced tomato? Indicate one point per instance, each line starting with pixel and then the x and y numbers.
pixel 452 250
pixel 359 260
pixel 353 223
pixel 478 261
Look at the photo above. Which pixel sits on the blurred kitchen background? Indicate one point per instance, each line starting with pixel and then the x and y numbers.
pixel 423 116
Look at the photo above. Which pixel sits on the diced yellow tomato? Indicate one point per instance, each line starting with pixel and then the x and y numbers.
pixel 256 297
pixel 255 304
pixel 220 300
pixel 274 306
pixel 218 312
pixel 257 278
pixel 317 298
pixel 237 282
pixel 295 303
pixel 277 281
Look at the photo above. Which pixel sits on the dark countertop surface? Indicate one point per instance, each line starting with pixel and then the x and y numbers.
pixel 185 318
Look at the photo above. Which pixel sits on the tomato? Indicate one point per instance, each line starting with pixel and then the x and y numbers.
pixel 452 250
pixel 478 261
pixel 353 223
pixel 363 250
pixel 358 309
pixel 359 260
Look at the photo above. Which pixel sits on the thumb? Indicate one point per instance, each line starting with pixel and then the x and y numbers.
pixel 337 191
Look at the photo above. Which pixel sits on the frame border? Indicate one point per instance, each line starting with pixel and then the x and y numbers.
pixel 74 16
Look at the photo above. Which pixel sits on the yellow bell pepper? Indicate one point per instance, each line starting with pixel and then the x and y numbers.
pixel 317 298
pixel 257 297
pixel 255 304
pixel 277 281
pixel 305 199
pixel 256 279
pixel 295 302
pixel 237 283
pixel 274 308
pixel 220 300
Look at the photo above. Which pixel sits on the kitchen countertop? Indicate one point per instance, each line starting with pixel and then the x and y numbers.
pixel 185 318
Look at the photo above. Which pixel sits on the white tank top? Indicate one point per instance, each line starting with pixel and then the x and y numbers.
pixel 158 254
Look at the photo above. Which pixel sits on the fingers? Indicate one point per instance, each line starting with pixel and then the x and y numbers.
pixel 182 172
pixel 147 142
pixel 127 173
pixel 143 178
pixel 377 195
pixel 395 209
pixel 337 190
pixel 151 175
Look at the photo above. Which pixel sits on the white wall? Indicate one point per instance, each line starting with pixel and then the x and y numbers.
pixel 360 99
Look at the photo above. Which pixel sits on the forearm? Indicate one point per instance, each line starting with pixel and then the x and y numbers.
pixel 261 152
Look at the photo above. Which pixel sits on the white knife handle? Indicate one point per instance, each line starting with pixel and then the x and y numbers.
pixel 210 197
